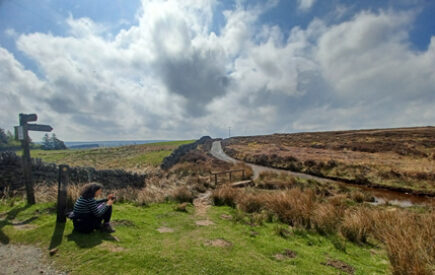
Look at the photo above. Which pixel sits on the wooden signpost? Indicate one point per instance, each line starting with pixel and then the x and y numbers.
pixel 62 193
pixel 21 133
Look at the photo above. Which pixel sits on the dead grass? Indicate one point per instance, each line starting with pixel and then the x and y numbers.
pixel 357 225
pixel 183 194
pixel 409 237
pixel 225 195
pixel 327 218
pixel 390 157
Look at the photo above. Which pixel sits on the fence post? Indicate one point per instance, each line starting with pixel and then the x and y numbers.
pixel 215 179
pixel 243 173
pixel 230 176
pixel 62 193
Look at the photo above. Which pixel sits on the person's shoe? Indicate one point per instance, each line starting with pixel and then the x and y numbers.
pixel 107 228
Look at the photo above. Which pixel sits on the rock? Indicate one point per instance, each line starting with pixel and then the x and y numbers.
pixel 204 223
pixel 182 207
pixel 219 243
pixel 53 251
pixel 165 229
pixel 226 217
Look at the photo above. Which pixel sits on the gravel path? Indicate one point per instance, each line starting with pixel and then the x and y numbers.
pixel 24 259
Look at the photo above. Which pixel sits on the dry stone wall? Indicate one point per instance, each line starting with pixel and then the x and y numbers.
pixel 11 175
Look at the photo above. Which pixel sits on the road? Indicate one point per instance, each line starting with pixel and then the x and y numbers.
pixel 218 152
pixel 381 195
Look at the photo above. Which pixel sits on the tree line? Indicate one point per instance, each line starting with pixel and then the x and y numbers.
pixel 8 142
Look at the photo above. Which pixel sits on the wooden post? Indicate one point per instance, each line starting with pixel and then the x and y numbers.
pixel 215 179
pixel 243 174
pixel 230 176
pixel 26 161
pixel 22 134
pixel 62 193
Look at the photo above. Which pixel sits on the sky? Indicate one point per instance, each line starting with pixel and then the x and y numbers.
pixel 152 69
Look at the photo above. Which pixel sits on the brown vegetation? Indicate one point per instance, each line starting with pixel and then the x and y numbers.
pixel 409 237
pixel 396 158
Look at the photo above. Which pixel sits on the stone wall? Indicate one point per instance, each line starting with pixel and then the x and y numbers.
pixel 176 155
pixel 11 174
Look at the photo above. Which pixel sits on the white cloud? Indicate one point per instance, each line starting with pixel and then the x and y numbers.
pixel 170 77
pixel 306 5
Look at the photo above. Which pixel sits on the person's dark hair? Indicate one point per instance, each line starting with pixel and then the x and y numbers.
pixel 89 190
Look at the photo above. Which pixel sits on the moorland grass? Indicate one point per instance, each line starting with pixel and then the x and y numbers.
pixel 143 250
pixel 123 157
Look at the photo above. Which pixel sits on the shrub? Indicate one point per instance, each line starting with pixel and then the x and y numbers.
pixel 356 225
pixel 292 206
pixel 326 218
pixel 225 195
pixel 183 194
pixel 251 202
pixel 357 196
pixel 409 240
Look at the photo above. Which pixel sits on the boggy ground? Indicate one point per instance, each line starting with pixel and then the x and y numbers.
pixel 401 159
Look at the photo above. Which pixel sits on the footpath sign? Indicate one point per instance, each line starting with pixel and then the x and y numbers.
pixel 21 133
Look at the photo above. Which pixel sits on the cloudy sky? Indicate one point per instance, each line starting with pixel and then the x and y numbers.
pixel 108 70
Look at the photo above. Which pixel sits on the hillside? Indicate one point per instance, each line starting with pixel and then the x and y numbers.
pixel 131 157
pixel 401 158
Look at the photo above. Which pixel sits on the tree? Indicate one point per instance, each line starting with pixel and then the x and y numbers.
pixel 57 143
pixel 3 137
pixel 52 143
pixel 46 143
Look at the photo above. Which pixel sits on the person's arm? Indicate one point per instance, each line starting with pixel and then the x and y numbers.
pixel 100 201
pixel 94 209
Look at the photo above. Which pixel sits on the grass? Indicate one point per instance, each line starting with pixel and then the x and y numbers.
pixel 143 250
pixel 408 235
pixel 124 157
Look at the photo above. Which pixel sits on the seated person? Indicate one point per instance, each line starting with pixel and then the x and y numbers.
pixel 90 214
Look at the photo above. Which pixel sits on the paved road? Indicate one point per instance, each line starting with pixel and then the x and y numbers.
pixel 217 152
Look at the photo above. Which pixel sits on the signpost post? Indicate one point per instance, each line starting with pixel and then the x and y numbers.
pixel 22 134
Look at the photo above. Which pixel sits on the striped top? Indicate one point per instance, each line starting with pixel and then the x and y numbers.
pixel 89 206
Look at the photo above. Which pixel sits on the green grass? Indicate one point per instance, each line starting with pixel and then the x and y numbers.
pixel 124 157
pixel 143 250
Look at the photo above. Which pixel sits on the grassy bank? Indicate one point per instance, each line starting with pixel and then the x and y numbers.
pixel 189 249
pixel 123 157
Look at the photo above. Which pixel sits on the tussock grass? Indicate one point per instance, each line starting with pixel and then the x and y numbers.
pixel 408 236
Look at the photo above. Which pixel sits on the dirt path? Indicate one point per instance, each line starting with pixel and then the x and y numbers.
pixel 202 203
pixel 24 259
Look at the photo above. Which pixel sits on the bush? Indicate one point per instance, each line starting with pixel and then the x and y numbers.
pixel 409 240
pixel 251 202
pixel 183 194
pixel 225 195
pixel 326 218
pixel 356 225
pixel 293 206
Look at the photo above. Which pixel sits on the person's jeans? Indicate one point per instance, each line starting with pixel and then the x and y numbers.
pixel 87 223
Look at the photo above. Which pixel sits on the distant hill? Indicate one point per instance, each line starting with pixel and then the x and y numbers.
pixel 112 143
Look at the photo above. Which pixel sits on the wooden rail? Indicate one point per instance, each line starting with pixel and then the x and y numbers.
pixel 215 174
